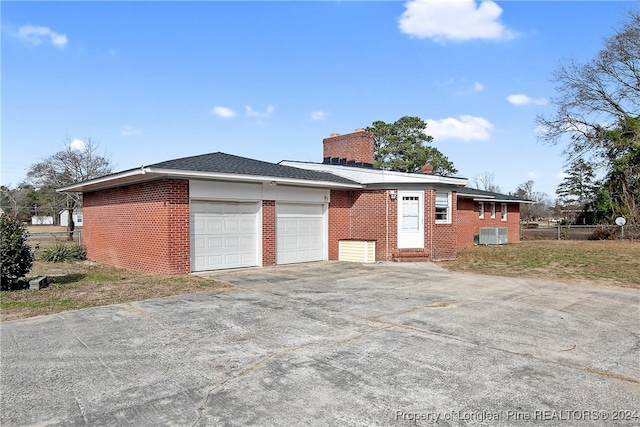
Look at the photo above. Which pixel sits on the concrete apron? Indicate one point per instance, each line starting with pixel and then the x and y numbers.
pixel 334 344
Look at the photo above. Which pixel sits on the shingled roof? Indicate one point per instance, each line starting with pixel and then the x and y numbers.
pixel 488 195
pixel 228 163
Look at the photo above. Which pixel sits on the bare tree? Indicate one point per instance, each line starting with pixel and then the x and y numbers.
pixel 76 163
pixel 542 206
pixel 598 109
pixel 485 181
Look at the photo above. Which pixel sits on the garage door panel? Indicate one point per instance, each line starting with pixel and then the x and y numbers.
pixel 299 233
pixel 224 235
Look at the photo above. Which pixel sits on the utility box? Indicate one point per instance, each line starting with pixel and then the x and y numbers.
pixel 493 236
pixel 357 251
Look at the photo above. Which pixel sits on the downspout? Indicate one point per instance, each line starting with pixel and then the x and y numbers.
pixel 431 225
pixel 387 225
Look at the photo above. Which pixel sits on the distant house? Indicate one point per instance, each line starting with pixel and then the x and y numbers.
pixel 64 217
pixel 218 211
pixel 41 220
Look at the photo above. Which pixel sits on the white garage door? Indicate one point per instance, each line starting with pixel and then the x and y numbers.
pixel 223 235
pixel 299 233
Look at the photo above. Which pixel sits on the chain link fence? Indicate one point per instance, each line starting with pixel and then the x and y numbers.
pixel 578 232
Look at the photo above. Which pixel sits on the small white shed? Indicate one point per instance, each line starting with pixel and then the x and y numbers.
pixel 64 217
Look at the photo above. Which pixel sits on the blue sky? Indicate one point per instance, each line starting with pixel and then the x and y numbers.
pixel 153 81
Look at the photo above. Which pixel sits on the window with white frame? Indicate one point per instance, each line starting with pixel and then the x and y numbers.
pixel 481 210
pixel 503 211
pixel 443 208
pixel 493 210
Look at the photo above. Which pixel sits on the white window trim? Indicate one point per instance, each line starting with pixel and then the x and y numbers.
pixel 493 210
pixel 503 211
pixel 481 210
pixel 449 215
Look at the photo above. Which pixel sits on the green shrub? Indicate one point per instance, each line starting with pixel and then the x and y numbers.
pixel 16 256
pixel 61 252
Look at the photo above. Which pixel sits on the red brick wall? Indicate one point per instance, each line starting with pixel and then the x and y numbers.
pixel 268 232
pixel 373 217
pixel 443 243
pixel 141 227
pixel 469 221
pixel 339 220
pixel 356 146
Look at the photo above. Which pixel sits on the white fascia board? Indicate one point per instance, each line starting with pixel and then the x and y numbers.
pixel 486 199
pixel 377 176
pixel 147 174
pixel 130 176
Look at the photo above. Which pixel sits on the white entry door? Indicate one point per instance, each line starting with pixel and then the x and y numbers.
pixel 299 233
pixel 410 219
pixel 223 235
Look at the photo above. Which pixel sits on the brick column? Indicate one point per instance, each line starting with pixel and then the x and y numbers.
pixel 268 232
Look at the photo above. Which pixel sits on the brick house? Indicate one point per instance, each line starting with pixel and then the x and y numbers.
pixel 217 211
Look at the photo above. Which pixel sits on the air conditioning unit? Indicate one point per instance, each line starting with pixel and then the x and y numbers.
pixel 493 236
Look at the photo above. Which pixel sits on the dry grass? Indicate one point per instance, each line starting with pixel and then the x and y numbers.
pixel 599 262
pixel 86 284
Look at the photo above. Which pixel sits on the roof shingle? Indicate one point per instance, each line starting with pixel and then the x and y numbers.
pixel 228 163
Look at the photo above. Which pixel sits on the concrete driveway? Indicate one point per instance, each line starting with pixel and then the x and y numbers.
pixel 335 344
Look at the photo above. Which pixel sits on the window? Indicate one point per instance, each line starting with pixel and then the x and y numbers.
pixel 493 210
pixel 481 210
pixel 503 211
pixel 410 213
pixel 443 208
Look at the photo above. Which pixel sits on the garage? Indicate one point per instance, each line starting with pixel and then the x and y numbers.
pixel 299 233
pixel 223 235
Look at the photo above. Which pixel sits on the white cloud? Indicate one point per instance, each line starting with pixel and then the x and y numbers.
pixel 319 115
pixel 36 35
pixel 223 112
pixel 479 87
pixel 457 20
pixel 130 131
pixel 532 175
pixel 467 128
pixel 521 99
pixel 77 144
pixel 252 113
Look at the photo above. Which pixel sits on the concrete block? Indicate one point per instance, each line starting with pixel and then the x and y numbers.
pixel 39 282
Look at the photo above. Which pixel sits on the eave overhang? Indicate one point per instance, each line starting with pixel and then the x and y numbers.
pixel 145 174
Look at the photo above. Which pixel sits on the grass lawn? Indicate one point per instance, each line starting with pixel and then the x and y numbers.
pixel 87 284
pixel 601 262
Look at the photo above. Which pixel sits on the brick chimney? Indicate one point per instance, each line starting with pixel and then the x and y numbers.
pixel 427 169
pixel 354 147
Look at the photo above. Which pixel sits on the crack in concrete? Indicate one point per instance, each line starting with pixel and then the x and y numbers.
pixel 84 417
pixel 263 360
pixel 587 369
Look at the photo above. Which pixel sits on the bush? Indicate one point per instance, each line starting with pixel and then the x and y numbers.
pixel 601 233
pixel 61 252
pixel 16 256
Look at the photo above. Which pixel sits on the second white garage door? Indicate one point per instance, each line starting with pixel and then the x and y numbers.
pixel 299 233
pixel 223 235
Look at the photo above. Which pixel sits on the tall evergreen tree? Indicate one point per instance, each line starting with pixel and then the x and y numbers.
pixel 402 146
